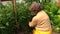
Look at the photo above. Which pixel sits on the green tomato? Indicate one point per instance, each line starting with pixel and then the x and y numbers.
pixel 58 17
pixel 57 28
pixel 58 11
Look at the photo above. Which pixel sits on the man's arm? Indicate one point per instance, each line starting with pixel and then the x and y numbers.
pixel 33 22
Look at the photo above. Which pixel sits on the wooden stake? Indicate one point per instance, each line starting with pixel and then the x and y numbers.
pixel 15 12
pixel 0 0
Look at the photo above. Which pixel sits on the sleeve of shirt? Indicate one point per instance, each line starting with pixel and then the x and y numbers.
pixel 33 22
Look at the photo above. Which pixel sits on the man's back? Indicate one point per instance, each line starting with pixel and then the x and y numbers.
pixel 43 21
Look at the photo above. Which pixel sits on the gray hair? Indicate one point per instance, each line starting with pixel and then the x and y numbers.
pixel 35 6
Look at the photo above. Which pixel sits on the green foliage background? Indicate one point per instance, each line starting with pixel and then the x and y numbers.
pixel 7 19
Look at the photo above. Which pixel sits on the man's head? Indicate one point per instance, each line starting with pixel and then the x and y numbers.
pixel 35 7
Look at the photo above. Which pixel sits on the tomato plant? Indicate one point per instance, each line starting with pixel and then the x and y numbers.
pixel 7 19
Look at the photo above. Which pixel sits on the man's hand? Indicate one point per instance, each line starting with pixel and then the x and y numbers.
pixel 30 24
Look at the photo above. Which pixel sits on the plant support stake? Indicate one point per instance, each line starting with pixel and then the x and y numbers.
pixel 15 13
